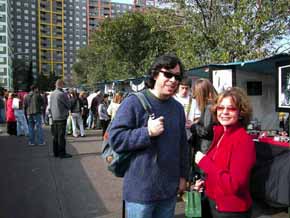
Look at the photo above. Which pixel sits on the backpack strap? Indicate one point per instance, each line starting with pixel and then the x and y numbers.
pixel 145 103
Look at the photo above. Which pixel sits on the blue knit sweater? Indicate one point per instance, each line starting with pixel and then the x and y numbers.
pixel 160 161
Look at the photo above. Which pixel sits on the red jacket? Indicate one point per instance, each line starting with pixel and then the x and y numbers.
pixel 10 117
pixel 228 167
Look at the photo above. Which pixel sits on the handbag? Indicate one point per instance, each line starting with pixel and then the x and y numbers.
pixel 192 204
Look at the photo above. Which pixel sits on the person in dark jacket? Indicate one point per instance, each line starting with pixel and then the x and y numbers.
pixel 202 129
pixel 33 107
pixel 103 114
pixel 59 109
pixel 160 165
pixel 94 107
pixel 85 108
pixel 76 106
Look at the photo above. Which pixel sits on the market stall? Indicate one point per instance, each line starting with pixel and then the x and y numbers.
pixel 265 81
pixel 270 180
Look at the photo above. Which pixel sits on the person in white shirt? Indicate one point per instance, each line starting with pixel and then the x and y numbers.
pixel 184 97
pixel 90 119
pixel 114 105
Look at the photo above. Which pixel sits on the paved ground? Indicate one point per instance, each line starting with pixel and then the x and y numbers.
pixel 34 184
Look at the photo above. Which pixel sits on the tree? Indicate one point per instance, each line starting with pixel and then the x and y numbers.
pixel 236 30
pixel 46 83
pixel 21 71
pixel 124 47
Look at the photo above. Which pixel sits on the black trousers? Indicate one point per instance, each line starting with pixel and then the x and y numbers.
pixel 12 127
pixel 104 125
pixel 217 214
pixel 58 130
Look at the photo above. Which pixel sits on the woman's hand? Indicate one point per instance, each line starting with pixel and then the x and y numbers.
pixel 198 185
pixel 198 156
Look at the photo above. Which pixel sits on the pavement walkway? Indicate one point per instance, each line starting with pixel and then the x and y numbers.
pixel 34 184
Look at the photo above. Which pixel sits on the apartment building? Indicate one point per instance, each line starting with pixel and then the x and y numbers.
pixel 75 33
pixel 48 33
pixel 24 31
pixel 5 45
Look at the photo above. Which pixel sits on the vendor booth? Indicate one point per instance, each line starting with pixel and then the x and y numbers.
pixel 259 78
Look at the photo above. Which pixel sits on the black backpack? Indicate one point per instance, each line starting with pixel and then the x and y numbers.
pixel 118 163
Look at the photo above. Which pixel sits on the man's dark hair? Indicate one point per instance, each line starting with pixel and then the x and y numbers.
pixel 185 81
pixel 167 61
pixel 33 87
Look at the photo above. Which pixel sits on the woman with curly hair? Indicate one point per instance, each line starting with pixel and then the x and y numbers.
pixel 228 162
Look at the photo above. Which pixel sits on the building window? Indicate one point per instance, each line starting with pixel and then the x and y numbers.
pixel 2 18
pixel 2 7
pixel 2 28
pixel 2 60
pixel 2 50
pixel 2 39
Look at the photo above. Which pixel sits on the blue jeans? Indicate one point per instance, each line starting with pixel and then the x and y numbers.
pixel 90 120
pixel 2 115
pixel 35 126
pixel 158 209
pixel 22 126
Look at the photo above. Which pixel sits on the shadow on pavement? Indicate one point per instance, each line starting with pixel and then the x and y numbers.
pixel 35 184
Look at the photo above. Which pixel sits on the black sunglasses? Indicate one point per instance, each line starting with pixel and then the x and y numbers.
pixel 169 75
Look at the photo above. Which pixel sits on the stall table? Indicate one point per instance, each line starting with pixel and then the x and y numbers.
pixel 270 180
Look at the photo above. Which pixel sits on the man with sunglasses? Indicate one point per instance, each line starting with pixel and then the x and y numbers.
pixel 160 165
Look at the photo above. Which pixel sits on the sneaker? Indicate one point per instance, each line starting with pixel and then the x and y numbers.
pixel 43 143
pixel 31 144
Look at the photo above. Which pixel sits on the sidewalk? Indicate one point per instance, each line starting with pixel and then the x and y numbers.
pixel 34 184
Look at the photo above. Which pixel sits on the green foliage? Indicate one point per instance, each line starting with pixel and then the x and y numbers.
pixel 46 83
pixel 22 74
pixel 198 31
pixel 236 30
pixel 124 47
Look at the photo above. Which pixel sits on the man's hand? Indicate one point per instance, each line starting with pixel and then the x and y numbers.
pixel 188 124
pixel 156 126
pixel 198 156
pixel 182 185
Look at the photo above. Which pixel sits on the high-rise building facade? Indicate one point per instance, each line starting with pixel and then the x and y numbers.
pixel 75 33
pixel 51 37
pixel 24 24
pixel 5 45
pixel 48 33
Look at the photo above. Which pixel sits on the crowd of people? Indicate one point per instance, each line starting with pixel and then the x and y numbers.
pixel 197 136
pixel 25 113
